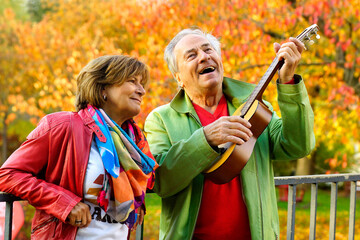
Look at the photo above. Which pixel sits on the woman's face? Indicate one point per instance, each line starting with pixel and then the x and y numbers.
pixel 124 100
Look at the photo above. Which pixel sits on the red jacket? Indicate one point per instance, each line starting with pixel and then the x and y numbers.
pixel 48 171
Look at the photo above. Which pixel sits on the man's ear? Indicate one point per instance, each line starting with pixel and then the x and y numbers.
pixel 178 79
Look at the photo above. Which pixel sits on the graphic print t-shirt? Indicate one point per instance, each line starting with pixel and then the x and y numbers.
pixel 102 226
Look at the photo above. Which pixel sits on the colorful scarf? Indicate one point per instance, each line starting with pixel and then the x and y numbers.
pixel 129 167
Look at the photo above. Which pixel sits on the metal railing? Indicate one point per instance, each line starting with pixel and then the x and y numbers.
pixel 9 199
pixel 292 182
pixel 314 180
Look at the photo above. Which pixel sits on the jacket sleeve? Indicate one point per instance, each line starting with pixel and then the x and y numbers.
pixel 22 173
pixel 292 135
pixel 180 161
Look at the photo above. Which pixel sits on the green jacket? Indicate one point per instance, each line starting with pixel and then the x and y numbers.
pixel 177 141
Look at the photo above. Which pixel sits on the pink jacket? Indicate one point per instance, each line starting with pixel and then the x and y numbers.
pixel 48 171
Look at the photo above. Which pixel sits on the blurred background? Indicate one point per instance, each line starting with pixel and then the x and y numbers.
pixel 45 43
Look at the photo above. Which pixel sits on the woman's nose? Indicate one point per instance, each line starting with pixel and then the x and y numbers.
pixel 140 90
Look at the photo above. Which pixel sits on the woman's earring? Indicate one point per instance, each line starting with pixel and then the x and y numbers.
pixel 105 97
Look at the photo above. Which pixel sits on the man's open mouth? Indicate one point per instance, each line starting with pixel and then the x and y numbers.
pixel 207 70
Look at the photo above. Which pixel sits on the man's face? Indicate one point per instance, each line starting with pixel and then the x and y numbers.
pixel 200 67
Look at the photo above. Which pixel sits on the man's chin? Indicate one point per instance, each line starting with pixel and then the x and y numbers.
pixel 211 81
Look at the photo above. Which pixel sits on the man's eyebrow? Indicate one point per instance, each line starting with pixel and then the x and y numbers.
pixel 194 49
pixel 206 45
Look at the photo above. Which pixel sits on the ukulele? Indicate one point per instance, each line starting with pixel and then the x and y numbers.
pixel 234 159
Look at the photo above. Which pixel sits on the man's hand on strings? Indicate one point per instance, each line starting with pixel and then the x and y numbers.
pixel 291 53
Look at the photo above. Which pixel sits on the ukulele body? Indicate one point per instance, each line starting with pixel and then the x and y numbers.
pixel 235 157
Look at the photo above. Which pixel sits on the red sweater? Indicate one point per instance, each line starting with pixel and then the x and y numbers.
pixel 223 213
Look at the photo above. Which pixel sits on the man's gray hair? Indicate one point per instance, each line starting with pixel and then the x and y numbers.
pixel 169 55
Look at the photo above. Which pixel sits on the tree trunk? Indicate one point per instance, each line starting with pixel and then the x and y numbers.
pixel 4 141
pixel 304 166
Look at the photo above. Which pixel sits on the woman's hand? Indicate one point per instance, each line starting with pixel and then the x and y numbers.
pixel 79 215
pixel 140 218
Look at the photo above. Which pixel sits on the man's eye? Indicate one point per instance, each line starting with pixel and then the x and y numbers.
pixel 191 55
pixel 208 50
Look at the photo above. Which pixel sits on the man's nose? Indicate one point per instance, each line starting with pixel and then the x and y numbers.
pixel 203 56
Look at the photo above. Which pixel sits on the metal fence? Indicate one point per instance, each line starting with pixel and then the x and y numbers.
pixel 9 199
pixel 291 182
pixel 314 180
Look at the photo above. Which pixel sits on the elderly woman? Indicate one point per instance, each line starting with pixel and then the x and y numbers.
pixel 86 172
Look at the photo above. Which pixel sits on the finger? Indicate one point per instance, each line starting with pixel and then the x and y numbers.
pixel 239 127
pixel 241 134
pixel 293 50
pixel 75 218
pixel 276 47
pixel 85 215
pixel 79 214
pixel 300 45
pixel 287 57
pixel 241 120
pixel 235 136
pixel 78 222
pixel 234 139
pixel 136 223
pixel 141 217
pixel 135 226
pixel 86 219
pixel 290 49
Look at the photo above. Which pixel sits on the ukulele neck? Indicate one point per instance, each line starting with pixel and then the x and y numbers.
pixel 276 64
pixel 264 82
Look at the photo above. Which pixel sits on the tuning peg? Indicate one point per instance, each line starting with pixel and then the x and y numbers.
pixel 311 42
pixel 317 36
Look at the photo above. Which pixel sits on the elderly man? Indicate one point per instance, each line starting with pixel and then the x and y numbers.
pixel 184 136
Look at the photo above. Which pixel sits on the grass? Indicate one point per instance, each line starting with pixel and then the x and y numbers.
pixel 302 216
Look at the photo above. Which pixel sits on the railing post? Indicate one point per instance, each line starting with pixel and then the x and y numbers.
pixel 313 208
pixel 8 220
pixel 140 231
pixel 352 210
pixel 291 212
pixel 334 190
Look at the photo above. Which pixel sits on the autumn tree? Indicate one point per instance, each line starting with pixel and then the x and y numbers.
pixel 47 55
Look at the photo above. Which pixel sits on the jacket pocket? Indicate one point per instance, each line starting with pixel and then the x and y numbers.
pixel 45 229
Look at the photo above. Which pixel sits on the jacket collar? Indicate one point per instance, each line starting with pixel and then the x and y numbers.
pixel 236 92
pixel 86 117
pixel 89 121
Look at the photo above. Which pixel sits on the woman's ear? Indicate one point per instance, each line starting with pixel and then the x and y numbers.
pixel 103 93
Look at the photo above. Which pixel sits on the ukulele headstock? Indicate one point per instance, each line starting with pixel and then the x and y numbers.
pixel 307 35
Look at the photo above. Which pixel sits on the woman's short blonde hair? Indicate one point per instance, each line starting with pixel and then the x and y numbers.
pixel 105 71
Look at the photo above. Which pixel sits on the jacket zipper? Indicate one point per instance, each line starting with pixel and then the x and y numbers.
pixel 53 219
pixel 198 209
pixel 199 123
pixel 197 213
pixel 56 225
pixel 258 185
